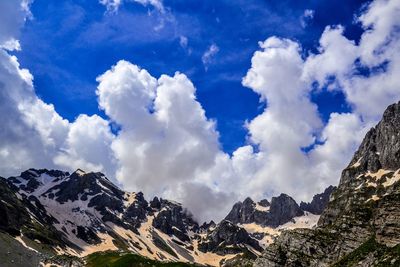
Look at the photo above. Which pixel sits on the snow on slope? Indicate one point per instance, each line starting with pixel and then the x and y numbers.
pixel 268 234
pixel 71 214
pixel 95 215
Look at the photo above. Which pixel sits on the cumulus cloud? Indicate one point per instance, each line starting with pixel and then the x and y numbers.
pixel 33 134
pixel 377 54
pixel 167 146
pixel 88 146
pixel 165 137
pixel 365 72
pixel 13 16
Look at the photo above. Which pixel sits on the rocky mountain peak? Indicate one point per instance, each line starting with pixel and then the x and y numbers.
pixel 264 203
pixel 242 212
pixel 32 179
pixel 228 238
pixel 380 148
pixel 360 225
pixel 319 201
pixel 205 227
pixel 283 208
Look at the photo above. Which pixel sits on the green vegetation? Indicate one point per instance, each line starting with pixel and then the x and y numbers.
pixel 118 259
pixel 385 256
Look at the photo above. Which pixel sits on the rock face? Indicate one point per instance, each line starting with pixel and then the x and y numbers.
pixel 319 201
pixel 173 220
pixel 361 223
pixel 281 210
pixel 228 238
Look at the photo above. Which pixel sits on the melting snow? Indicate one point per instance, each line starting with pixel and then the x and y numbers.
pixel 80 172
pixel 373 198
pixel 357 164
pixel 377 175
pixel 261 208
pixel 393 179
pixel 308 220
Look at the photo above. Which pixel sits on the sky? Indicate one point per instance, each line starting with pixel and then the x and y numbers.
pixel 204 102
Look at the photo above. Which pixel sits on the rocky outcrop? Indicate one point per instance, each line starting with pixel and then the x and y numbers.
pixel 22 215
pixel 360 224
pixel 206 227
pixel 228 238
pixel 172 219
pixel 13 214
pixel 281 210
pixel 319 201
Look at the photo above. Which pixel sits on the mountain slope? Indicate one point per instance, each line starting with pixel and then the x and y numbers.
pixel 81 213
pixel 51 212
pixel 360 226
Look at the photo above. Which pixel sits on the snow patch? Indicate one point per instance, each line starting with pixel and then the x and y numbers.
pixel 308 220
pixel 357 164
pixel 262 208
pixel 377 175
pixel 395 178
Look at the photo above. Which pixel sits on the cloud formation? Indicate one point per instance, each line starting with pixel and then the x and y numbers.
pixel 113 5
pixel 165 145
pixel 209 54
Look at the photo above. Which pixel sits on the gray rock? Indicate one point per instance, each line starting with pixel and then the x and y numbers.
pixel 228 238
pixel 282 209
pixel 362 218
pixel 319 201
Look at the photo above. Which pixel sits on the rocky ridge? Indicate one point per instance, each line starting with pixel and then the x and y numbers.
pixel 360 225
pixel 61 213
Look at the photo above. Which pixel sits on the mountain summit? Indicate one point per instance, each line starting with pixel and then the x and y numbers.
pixel 360 225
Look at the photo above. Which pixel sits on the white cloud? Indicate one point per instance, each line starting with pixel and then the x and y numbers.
pixel 288 123
pixel 113 5
pixel 284 79
pixel 13 16
pixel 336 57
pixel 209 54
pixel 377 51
pixel 307 17
pixel 165 138
pixel 88 146
pixel 183 41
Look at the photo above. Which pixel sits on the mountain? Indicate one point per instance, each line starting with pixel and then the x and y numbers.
pixel 361 224
pixel 51 212
pixel 319 201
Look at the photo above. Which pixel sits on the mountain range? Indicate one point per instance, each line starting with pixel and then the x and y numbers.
pixel 57 218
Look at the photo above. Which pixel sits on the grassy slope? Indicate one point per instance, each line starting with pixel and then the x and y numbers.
pixel 116 259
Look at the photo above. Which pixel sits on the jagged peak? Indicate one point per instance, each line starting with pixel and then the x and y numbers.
pixel 264 203
pixel 248 200
pixel 32 172
pixel 80 172
pixel 380 148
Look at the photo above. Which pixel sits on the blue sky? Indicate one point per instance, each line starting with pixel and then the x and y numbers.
pixel 69 43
